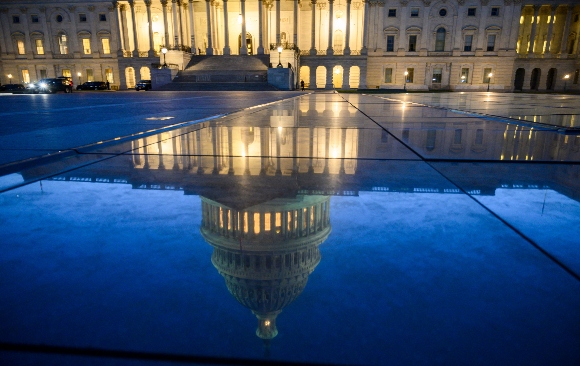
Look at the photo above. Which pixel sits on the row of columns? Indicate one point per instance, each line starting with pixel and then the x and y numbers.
pixel 330 49
pixel 178 26
pixel 242 224
pixel 550 36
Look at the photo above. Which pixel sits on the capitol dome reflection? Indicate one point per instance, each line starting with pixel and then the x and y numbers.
pixel 267 251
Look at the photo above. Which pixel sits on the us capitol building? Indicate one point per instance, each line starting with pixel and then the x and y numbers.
pixel 503 45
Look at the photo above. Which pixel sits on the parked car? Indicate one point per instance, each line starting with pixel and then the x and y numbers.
pixel 143 85
pixel 53 85
pixel 93 85
pixel 12 88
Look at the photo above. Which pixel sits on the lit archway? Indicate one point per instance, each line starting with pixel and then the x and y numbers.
pixel 337 75
pixel 320 77
pixel 305 76
pixel 130 77
pixel 354 78
pixel 145 73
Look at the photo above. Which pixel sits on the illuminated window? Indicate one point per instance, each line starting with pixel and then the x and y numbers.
pixel 245 222
pixel 25 76
pixel 109 75
pixel 62 44
pixel 86 46
pixel 20 45
pixel 66 72
pixel 90 76
pixel 39 47
pixel 486 77
pixel 437 75
pixel 410 74
pixel 106 46
pixel 465 75
pixel 267 221
pixel 256 222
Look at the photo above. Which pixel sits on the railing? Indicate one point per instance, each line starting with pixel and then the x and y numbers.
pixel 157 65
pixel 143 53
pixel 63 56
pixel 336 52
pixel 127 54
pixel 286 46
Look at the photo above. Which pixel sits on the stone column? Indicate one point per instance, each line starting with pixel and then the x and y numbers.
pixel 515 27
pixel 133 18
pixel 313 29
pixel 175 30
pixel 347 35
pixel 402 31
pixel 534 26
pixel 426 32
pixel 363 77
pixel 381 43
pixel 564 46
pixel 119 22
pixel 260 28
pixel 364 49
pixel 277 22
pixel 209 49
pixel 243 45
pixel 227 50
pixel 182 28
pixel 481 40
pixel 165 25
pixel 329 84
pixel 506 26
pixel 151 52
pixel 312 83
pixel 346 77
pixel 330 50
pixel 191 24
pixel 550 29
pixel 295 26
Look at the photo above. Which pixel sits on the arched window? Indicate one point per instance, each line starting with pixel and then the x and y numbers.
pixel 440 40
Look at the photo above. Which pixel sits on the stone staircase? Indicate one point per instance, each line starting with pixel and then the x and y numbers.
pixel 223 73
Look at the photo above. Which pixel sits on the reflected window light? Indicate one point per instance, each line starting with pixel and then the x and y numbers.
pixel 245 222
pixel 256 223
pixel 267 222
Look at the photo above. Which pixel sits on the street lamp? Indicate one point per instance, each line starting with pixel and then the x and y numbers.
pixel 9 78
pixel 164 51
pixel 279 56
pixel 489 80
pixel 566 77
pixel 405 85
pixel 80 80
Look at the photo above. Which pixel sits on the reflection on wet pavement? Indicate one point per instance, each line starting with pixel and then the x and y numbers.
pixel 313 230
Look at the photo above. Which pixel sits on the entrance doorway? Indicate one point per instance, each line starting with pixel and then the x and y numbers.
pixel 249 43
pixel 551 81
pixel 519 81
pixel 535 81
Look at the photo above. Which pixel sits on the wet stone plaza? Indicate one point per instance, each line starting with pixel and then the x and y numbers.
pixel 260 228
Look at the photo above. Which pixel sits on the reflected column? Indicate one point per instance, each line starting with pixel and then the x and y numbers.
pixel 160 152
pixel 342 149
pixel 231 151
